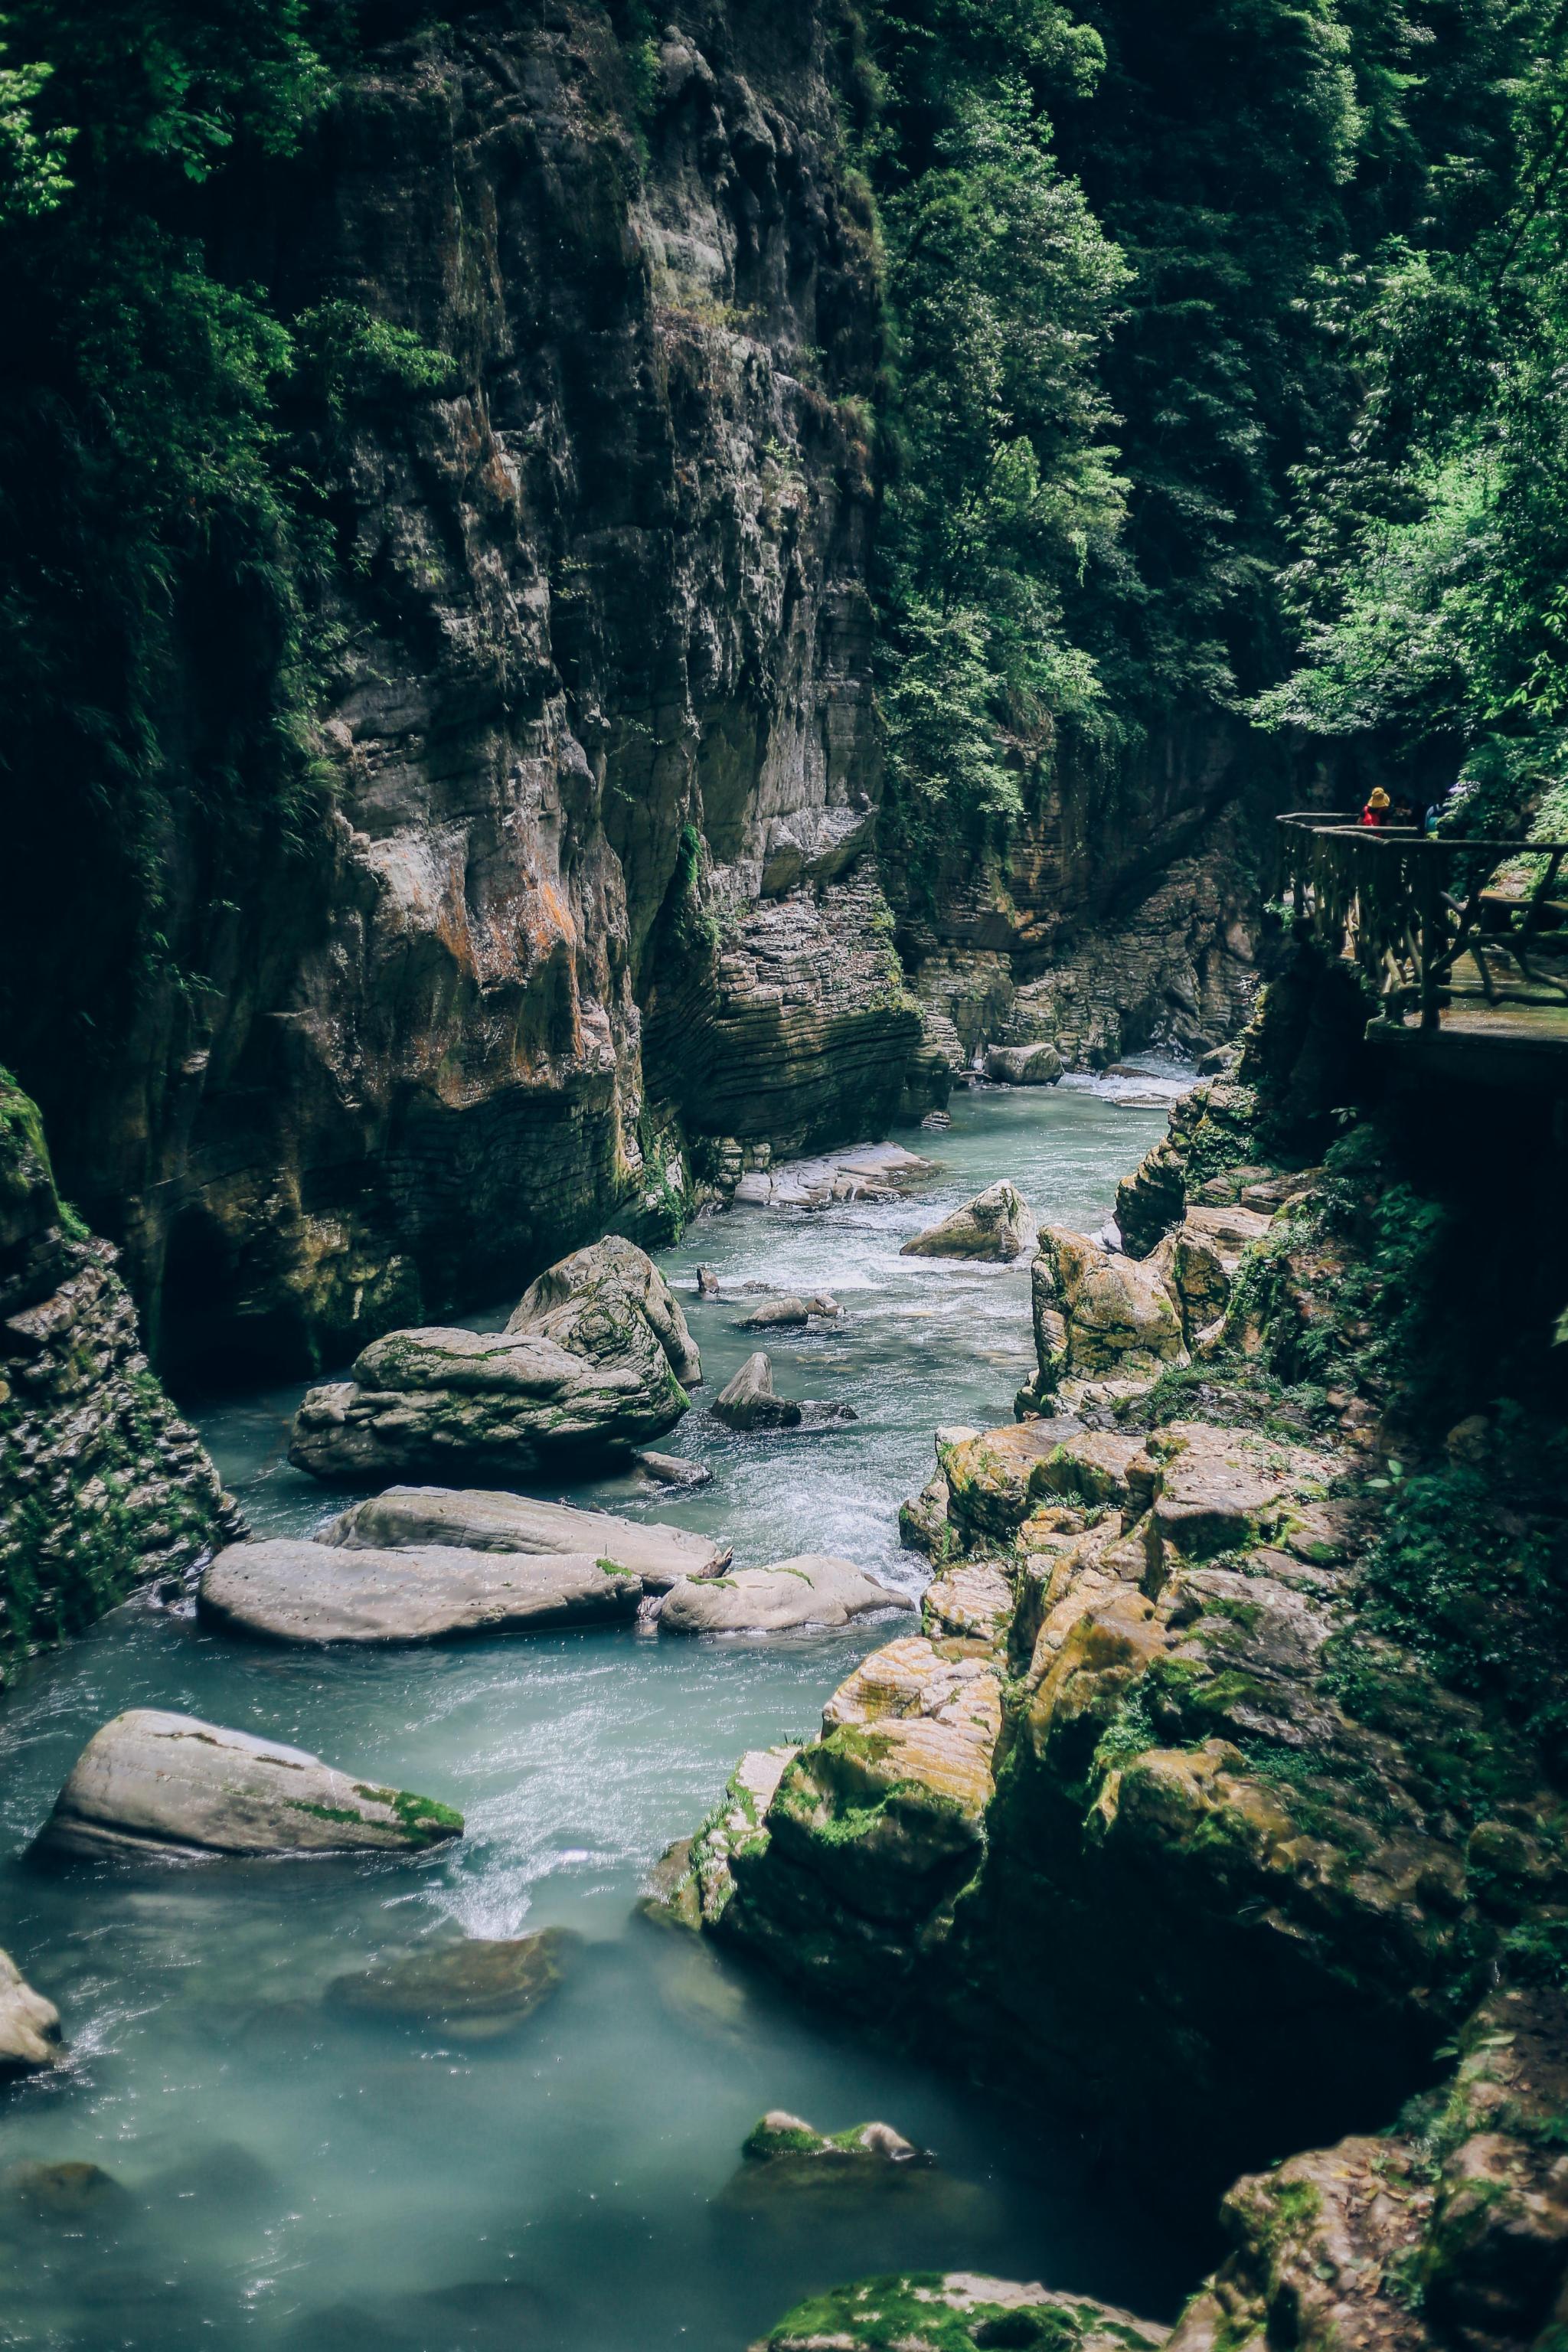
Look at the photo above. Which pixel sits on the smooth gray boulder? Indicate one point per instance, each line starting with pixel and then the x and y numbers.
pixel 749 1402
pixel 592 1303
pixel 671 1469
pixel 151 1783
pixel 295 1592
pixel 1024 1066
pixel 997 1226
pixel 477 1520
pixel 813 1589
pixel 29 2025
pixel 585 1366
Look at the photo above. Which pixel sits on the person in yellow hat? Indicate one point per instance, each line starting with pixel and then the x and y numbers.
pixel 1375 813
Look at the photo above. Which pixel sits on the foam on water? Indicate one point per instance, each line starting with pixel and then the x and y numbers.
pixel 296 2178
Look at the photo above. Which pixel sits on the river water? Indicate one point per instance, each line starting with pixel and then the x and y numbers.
pixel 286 2175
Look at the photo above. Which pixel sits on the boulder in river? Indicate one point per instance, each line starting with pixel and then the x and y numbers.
pixel 998 1225
pixel 789 1313
pixel 477 1519
pixel 599 1301
pixel 1024 1066
pixel 474 1991
pixel 780 2134
pixel 672 1470
pixel 69 2190
pixel 585 1366
pixel 814 1588
pixel 296 1591
pixel 29 2025
pixel 749 1402
pixel 149 1783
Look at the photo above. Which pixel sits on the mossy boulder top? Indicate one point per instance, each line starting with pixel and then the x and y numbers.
pixel 149 1783
pixel 813 1589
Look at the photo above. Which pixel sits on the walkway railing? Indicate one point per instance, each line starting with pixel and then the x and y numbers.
pixel 1410 910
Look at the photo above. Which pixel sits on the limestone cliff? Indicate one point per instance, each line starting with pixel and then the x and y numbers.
pixel 597 593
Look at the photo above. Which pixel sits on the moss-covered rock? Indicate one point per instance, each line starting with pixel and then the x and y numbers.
pixel 102 1485
pixel 956 2311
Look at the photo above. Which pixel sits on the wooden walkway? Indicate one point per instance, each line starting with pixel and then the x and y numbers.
pixel 1471 978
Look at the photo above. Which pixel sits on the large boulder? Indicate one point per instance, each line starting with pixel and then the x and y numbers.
pixel 591 1364
pixel 291 1591
pixel 1199 1259
pixel 788 1313
pixel 423 1402
pixel 598 1303
pixel 1098 1313
pixel 151 1783
pixel 479 1519
pixel 29 2025
pixel 749 1402
pixel 812 1589
pixel 998 1225
pixel 1023 1066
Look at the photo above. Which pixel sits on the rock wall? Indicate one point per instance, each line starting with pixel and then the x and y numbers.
pixel 603 589
pixel 101 1483
pixel 1124 912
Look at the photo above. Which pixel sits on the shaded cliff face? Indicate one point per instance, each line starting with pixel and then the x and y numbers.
pixel 1124 910
pixel 601 589
pixel 100 1483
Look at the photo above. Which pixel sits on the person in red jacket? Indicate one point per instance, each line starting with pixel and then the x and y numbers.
pixel 1375 813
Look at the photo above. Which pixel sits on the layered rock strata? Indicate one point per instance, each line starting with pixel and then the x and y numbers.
pixel 101 1482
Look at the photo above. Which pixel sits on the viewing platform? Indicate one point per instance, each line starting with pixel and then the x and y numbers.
pixel 1463 943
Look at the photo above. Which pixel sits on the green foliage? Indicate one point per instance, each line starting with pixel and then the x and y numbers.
pixel 1471 1574
pixel 32 162
pixel 1433 527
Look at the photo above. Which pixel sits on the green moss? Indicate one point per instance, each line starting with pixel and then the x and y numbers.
pixel 881 2314
pixel 424 1821
pixel 760 2143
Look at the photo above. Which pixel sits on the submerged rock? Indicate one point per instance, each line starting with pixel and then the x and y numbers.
pixel 780 2134
pixel 749 1402
pixel 433 1592
pixel 485 1520
pixel 813 1589
pixel 474 1991
pixel 1024 1066
pixel 29 2025
pixel 152 1783
pixel 586 1366
pixel 73 2191
pixel 959 2311
pixel 593 1303
pixel 997 1226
